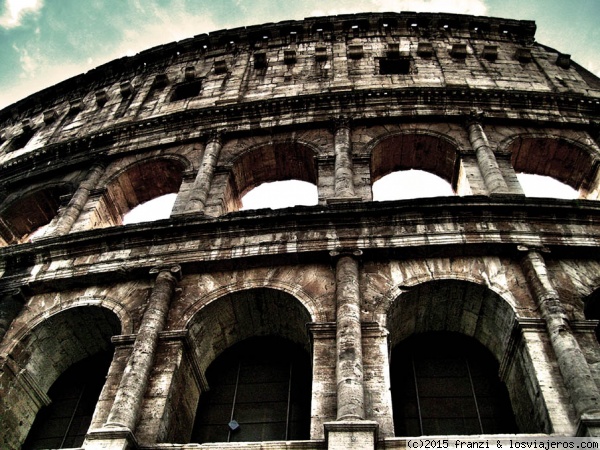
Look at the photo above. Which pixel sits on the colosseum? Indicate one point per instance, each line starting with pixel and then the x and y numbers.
pixel 350 323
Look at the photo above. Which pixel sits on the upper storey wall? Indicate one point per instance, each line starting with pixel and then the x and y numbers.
pixel 353 53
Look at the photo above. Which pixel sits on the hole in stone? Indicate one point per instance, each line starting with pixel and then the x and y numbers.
pixel 407 184
pixel 394 66
pixel 156 209
pixel 281 194
pixel 546 187
pixel 186 90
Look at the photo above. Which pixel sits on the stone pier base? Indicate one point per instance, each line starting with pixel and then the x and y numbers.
pixel 110 439
pixel 355 435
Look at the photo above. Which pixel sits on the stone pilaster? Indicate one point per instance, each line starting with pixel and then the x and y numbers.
pixel 71 213
pixel 349 373
pixel 173 392
pixel 203 181
pixel 573 366
pixel 486 160
pixel 355 435
pixel 350 430
pixel 344 170
pixel 324 390
pixel 126 407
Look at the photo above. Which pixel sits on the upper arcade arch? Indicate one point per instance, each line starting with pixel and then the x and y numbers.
pixel 136 184
pixel 563 159
pixel 418 150
pixel 23 215
pixel 275 161
pixel 408 184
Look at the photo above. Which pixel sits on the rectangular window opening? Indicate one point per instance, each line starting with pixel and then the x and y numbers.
pixel 394 66
pixel 186 90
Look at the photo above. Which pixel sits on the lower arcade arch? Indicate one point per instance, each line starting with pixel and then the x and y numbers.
pixel 461 322
pixel 55 350
pixel 65 421
pixel 591 310
pixel 258 337
pixel 447 383
pixel 260 391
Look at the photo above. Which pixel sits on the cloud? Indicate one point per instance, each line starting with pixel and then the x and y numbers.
pixel 28 62
pixel 157 25
pixel 16 10
pixel 34 81
pixel 474 7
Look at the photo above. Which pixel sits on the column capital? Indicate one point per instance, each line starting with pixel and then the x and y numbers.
pixel 172 269
pixel 474 116
pixel 340 122
pixel 532 248
pixel 215 136
pixel 343 251
pixel 100 161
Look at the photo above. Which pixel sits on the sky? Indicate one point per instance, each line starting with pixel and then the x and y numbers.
pixel 43 42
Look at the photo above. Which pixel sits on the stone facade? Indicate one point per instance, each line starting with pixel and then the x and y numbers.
pixel 338 102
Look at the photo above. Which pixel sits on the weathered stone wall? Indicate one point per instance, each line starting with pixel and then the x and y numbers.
pixel 338 102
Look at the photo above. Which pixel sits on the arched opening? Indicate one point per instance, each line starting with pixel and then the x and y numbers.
pixel 544 186
pixel 473 311
pixel 407 184
pixel 137 185
pixel 156 209
pixel 447 383
pixel 42 356
pixel 281 194
pixel 281 161
pixel 265 322
pixel 591 310
pixel 260 391
pixel 27 214
pixel 410 158
pixel 66 420
pixel 556 158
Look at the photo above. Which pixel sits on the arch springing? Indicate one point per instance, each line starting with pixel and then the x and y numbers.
pixel 20 220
